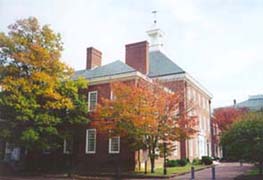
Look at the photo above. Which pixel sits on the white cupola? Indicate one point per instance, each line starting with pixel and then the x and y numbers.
pixel 155 35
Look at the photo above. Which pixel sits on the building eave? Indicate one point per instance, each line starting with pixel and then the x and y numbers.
pixel 118 77
pixel 187 77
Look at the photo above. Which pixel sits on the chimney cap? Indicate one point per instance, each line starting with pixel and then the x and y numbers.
pixel 136 44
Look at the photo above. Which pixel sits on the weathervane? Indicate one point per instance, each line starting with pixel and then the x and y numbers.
pixel 155 16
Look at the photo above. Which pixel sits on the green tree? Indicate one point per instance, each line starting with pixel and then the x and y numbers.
pixel 244 140
pixel 38 101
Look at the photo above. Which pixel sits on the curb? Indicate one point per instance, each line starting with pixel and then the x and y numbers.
pixel 138 176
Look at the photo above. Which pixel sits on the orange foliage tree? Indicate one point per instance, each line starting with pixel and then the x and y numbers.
pixel 224 117
pixel 146 113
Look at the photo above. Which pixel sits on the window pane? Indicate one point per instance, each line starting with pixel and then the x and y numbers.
pixel 68 145
pixel 92 100
pixel 114 145
pixel 91 141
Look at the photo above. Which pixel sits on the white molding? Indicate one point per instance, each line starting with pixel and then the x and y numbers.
pixel 65 147
pixel 187 77
pixel 119 77
pixel 89 94
pixel 110 144
pixel 87 142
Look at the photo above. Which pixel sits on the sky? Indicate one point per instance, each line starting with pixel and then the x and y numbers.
pixel 219 42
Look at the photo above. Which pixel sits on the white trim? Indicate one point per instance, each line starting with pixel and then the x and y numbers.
pixel 119 77
pixel 187 77
pixel 87 142
pixel 65 147
pixel 91 92
pixel 110 144
pixel 112 96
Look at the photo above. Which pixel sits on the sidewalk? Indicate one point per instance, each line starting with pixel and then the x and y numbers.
pixel 224 171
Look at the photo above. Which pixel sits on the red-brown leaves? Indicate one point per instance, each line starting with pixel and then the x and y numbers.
pixel 224 117
pixel 146 106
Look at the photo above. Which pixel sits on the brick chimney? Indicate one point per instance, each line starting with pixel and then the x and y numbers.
pixel 137 56
pixel 93 58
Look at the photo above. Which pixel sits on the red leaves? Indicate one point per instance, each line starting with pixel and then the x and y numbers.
pixel 146 106
pixel 224 117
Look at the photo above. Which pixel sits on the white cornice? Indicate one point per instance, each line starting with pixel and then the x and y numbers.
pixel 199 85
pixel 187 77
pixel 119 77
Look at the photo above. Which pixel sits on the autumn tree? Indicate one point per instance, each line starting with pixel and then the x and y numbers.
pixel 38 101
pixel 225 117
pixel 145 112
pixel 244 139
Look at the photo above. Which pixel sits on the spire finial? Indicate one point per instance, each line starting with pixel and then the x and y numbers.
pixel 155 16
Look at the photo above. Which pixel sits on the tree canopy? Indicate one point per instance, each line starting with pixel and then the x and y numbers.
pixel 225 117
pixel 244 140
pixel 37 97
pixel 147 113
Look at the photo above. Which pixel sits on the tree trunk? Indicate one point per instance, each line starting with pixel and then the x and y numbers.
pixel 152 164
pixel 261 168
pixel 139 159
pixel 164 159
pixel 145 167
pixel 152 158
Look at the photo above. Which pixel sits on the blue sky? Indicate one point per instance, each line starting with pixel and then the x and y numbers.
pixel 219 42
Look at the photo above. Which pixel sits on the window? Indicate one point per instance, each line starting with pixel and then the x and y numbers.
pixel 112 96
pixel 200 123
pixel 114 145
pixel 67 146
pixel 91 141
pixel 191 148
pixel 92 100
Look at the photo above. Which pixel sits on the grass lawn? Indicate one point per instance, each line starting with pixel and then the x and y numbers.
pixel 252 174
pixel 172 170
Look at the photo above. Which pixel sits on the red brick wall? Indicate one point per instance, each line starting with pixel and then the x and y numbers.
pixel 137 56
pixel 102 160
pixel 104 90
pixel 179 87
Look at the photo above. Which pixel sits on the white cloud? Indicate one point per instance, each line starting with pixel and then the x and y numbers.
pixel 184 11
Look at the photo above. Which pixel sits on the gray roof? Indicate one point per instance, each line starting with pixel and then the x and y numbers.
pixel 114 68
pixel 253 103
pixel 161 65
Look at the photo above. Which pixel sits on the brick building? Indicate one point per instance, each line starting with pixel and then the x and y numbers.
pixel 142 61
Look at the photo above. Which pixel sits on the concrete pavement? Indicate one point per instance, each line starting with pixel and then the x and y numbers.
pixel 224 171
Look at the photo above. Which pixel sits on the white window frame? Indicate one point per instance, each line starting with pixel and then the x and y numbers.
pixel 191 149
pixel 87 142
pixel 91 92
pixel 65 147
pixel 112 96
pixel 110 144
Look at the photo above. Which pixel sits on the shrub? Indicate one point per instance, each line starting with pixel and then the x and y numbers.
pixel 182 162
pixel 197 161
pixel 172 163
pixel 176 163
pixel 215 158
pixel 207 160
